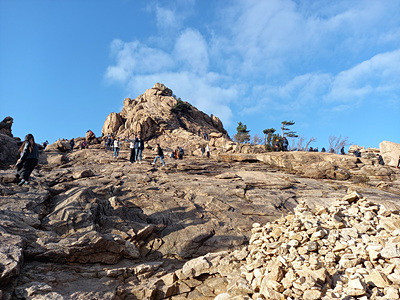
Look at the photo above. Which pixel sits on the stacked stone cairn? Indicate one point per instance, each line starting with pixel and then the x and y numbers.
pixel 350 250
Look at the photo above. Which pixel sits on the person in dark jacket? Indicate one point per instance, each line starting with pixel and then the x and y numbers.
pixel 29 156
pixel 357 153
pixel 139 146
pixel 72 143
pixel 160 155
pixel 203 150
pixel 285 144
pixel 380 160
pixel 180 153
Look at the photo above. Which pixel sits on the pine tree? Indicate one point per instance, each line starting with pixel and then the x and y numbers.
pixel 284 129
pixel 242 135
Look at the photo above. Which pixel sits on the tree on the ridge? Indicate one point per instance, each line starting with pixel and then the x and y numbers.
pixel 242 135
pixel 268 138
pixel 257 140
pixel 311 140
pixel 336 143
pixel 181 106
pixel 286 131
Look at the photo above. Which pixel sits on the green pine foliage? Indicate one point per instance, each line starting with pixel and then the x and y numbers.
pixel 181 106
pixel 242 135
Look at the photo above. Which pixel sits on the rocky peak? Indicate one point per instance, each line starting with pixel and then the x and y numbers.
pixel 5 126
pixel 157 113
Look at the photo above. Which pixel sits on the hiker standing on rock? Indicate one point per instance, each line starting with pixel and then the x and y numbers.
pixel 160 155
pixel 285 144
pixel 202 150
pixel 139 146
pixel 208 151
pixel 132 147
pixel 117 146
pixel 72 144
pixel 277 145
pixel 108 142
pixel 29 156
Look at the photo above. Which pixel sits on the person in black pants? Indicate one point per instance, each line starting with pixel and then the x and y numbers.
pixel 29 156
pixel 132 147
pixel 139 146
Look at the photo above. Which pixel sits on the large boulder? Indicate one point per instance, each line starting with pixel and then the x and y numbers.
pixel 390 152
pixel 5 126
pixel 8 151
pixel 112 123
pixel 60 145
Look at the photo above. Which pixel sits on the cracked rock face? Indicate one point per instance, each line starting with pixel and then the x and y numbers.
pixel 90 226
pixel 152 114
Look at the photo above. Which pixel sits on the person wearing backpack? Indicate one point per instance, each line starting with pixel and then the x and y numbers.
pixel 29 156
pixel 160 155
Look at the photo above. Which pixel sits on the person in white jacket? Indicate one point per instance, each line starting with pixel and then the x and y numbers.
pixel 132 147
pixel 117 146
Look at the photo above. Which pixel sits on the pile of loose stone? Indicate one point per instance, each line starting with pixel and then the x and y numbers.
pixel 351 249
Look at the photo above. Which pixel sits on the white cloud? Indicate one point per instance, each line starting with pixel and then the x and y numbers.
pixel 167 18
pixel 191 49
pixel 279 56
pixel 134 57
pixel 377 75
pixel 278 36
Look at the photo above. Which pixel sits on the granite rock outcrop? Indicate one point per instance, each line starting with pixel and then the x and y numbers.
pixel 390 152
pixel 157 114
pixel 90 226
pixel 5 126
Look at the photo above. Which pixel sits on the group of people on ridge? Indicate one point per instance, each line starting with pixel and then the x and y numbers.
pixel 136 146
pixel 29 154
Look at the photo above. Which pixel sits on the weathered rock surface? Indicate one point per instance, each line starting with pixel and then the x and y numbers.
pixel 244 224
pixel 151 114
pixel 89 226
pixel 390 152
pixel 8 151
pixel 5 126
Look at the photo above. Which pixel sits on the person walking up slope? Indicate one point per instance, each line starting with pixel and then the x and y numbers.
pixel 208 151
pixel 160 155
pixel 29 156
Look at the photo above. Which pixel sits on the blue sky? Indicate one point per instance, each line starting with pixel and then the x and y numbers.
pixel 331 66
